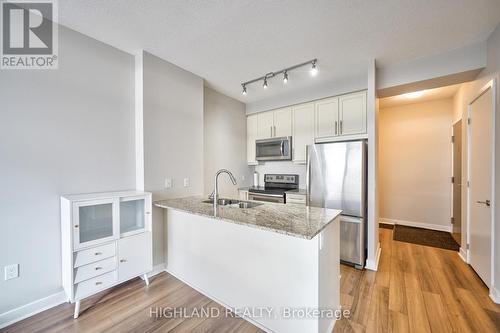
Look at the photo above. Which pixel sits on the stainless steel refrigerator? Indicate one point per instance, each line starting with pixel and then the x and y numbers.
pixel 336 178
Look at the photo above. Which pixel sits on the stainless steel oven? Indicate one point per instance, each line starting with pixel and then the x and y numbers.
pixel 277 198
pixel 274 149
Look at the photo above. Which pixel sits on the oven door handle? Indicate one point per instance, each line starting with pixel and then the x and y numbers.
pixel 266 195
pixel 282 147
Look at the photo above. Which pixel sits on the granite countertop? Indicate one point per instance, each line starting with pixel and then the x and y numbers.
pixel 294 220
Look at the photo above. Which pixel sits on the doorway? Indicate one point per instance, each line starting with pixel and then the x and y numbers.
pixel 457 182
pixel 480 226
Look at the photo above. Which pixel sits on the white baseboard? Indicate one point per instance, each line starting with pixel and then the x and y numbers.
pixel 495 295
pixel 12 316
pixel 438 227
pixel 463 254
pixel 201 291
pixel 372 264
pixel 157 269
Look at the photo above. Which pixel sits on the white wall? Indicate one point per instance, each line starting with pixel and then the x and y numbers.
pixel 173 136
pixel 225 142
pixel 415 163
pixel 466 94
pixel 69 130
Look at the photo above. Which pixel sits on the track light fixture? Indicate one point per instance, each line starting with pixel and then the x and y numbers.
pixel 314 70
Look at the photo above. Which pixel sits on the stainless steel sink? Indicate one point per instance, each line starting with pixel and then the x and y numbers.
pixel 248 204
pixel 238 203
pixel 223 202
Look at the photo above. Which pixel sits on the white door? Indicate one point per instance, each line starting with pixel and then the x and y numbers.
pixel 480 177
pixel 265 125
pixel 283 122
pixel 352 114
pixel 251 137
pixel 327 116
pixel 134 253
pixel 303 131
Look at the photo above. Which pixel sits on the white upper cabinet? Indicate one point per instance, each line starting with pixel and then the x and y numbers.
pixel 283 122
pixel 252 134
pixel 352 114
pixel 331 119
pixel 265 125
pixel 303 130
pixel 327 118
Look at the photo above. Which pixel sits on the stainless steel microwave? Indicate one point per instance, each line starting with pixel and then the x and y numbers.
pixel 274 149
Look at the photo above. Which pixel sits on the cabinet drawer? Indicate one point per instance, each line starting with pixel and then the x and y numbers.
pixel 97 268
pixel 94 254
pixel 295 202
pixel 298 197
pixel 89 287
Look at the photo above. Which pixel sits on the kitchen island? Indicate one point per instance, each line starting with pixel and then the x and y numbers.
pixel 275 265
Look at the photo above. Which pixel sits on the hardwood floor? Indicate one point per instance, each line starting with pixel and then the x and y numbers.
pixel 416 289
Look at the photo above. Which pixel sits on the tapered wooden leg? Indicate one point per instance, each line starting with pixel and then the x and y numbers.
pixel 77 309
pixel 146 279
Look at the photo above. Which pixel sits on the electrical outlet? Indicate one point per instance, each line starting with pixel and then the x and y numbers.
pixel 186 182
pixel 168 182
pixel 11 271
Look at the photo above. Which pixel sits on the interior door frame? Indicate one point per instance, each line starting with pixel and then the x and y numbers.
pixel 452 170
pixel 490 85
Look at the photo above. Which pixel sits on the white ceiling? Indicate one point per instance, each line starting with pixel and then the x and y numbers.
pixel 427 95
pixel 230 41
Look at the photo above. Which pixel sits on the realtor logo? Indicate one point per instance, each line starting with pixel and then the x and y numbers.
pixel 29 34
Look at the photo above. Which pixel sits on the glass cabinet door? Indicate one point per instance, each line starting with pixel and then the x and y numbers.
pixel 132 215
pixel 94 222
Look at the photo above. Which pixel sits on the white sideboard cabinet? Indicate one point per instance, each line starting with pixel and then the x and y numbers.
pixel 106 240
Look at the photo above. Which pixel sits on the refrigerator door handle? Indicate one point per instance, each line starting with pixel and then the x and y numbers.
pixel 308 174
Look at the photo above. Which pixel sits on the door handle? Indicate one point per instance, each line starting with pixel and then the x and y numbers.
pixel 486 202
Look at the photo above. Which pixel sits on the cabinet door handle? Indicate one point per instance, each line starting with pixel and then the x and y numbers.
pixel 274 131
pixel 76 225
pixel 98 283
pixel 486 202
pixel 98 268
pixel 123 260
pixel 98 253
pixel 148 212
pixel 335 127
pixel 341 129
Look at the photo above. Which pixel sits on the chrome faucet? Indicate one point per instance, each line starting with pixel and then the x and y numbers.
pixel 215 193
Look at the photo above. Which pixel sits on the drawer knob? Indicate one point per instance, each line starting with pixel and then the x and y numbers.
pixel 123 260
pixel 98 268
pixel 98 253
pixel 98 283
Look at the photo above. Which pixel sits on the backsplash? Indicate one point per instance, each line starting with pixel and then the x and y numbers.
pixel 282 167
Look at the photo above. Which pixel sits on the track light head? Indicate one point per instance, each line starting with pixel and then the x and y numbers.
pixel 285 77
pixel 265 83
pixel 314 68
pixel 244 92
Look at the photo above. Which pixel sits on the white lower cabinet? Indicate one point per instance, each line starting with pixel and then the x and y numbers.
pixel 106 240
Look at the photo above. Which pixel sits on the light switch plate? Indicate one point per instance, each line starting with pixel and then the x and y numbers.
pixel 186 182
pixel 168 182
pixel 11 271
